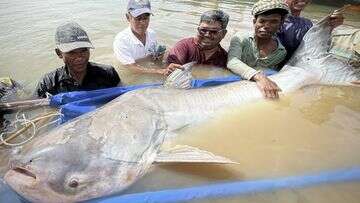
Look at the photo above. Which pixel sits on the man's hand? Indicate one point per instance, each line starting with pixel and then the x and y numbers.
pixel 169 69
pixel 268 88
pixel 336 19
pixel 357 82
pixel 158 57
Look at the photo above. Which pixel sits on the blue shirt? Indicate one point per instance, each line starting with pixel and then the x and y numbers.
pixel 292 32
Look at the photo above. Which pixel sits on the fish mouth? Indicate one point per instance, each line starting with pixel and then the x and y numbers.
pixel 24 172
pixel 21 176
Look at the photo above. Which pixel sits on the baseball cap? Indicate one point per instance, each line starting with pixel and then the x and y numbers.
pixel 71 36
pixel 138 7
pixel 265 5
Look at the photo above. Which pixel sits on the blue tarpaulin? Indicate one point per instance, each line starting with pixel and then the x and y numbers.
pixel 74 104
pixel 237 188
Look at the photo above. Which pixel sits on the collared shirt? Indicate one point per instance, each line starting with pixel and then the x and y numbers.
pixel 346 43
pixel 97 76
pixel 188 50
pixel 244 56
pixel 292 32
pixel 128 48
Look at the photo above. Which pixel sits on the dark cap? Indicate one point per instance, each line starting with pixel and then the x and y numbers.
pixel 138 7
pixel 71 36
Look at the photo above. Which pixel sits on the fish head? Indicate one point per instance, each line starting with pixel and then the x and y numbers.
pixel 69 172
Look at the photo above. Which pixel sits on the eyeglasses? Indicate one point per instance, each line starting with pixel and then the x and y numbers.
pixel 203 31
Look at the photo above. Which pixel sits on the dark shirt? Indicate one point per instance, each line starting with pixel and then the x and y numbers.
pixel 188 50
pixel 292 32
pixel 97 76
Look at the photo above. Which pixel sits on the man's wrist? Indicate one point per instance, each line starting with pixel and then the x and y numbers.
pixel 258 76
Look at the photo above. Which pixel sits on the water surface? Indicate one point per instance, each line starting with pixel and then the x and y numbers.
pixel 312 130
pixel 27 28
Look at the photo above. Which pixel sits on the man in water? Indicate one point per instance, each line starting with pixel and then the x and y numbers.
pixel 250 53
pixel 134 44
pixel 295 27
pixel 204 48
pixel 72 46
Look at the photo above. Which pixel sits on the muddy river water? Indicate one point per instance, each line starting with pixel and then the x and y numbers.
pixel 312 130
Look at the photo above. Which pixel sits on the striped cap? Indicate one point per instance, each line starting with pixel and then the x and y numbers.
pixel 266 5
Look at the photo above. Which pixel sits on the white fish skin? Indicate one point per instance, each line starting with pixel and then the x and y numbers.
pixel 105 151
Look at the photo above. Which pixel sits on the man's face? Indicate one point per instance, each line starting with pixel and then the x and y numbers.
pixel 297 5
pixel 267 25
pixel 210 34
pixel 140 23
pixel 76 60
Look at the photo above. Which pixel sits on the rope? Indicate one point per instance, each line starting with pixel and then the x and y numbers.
pixel 27 124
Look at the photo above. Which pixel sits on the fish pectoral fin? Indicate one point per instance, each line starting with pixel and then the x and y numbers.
pixel 187 154
pixel 180 79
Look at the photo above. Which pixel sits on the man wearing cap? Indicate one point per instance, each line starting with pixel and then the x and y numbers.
pixel 72 46
pixel 133 44
pixel 295 27
pixel 250 53
pixel 204 48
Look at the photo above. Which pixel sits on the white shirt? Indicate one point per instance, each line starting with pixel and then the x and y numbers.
pixel 128 48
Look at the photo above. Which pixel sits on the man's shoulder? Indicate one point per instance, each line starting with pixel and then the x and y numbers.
pixel 123 32
pixel 298 21
pixel 223 51
pixel 242 36
pixel 151 32
pixel 103 74
pixel 123 35
pixel 186 42
pixel 188 39
pixel 99 67
pixel 57 73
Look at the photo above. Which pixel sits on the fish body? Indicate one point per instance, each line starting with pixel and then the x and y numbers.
pixel 105 151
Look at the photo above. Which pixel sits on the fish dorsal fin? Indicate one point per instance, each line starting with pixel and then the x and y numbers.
pixel 187 154
pixel 180 79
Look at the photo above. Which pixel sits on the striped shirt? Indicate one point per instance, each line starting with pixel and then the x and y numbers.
pixel 244 57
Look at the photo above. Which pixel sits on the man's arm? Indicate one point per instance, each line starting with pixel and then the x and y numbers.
pixel 234 59
pixel 114 77
pixel 139 69
pixel 357 82
pixel 268 88
pixel 45 85
pixel 336 20
pixel 178 55
pixel 122 53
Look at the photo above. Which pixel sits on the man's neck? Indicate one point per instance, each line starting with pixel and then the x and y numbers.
pixel 209 52
pixel 263 41
pixel 78 76
pixel 295 13
pixel 141 37
pixel 265 45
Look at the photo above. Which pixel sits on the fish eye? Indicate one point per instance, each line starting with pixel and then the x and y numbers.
pixel 73 183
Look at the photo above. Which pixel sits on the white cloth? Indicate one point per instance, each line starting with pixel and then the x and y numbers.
pixel 128 48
